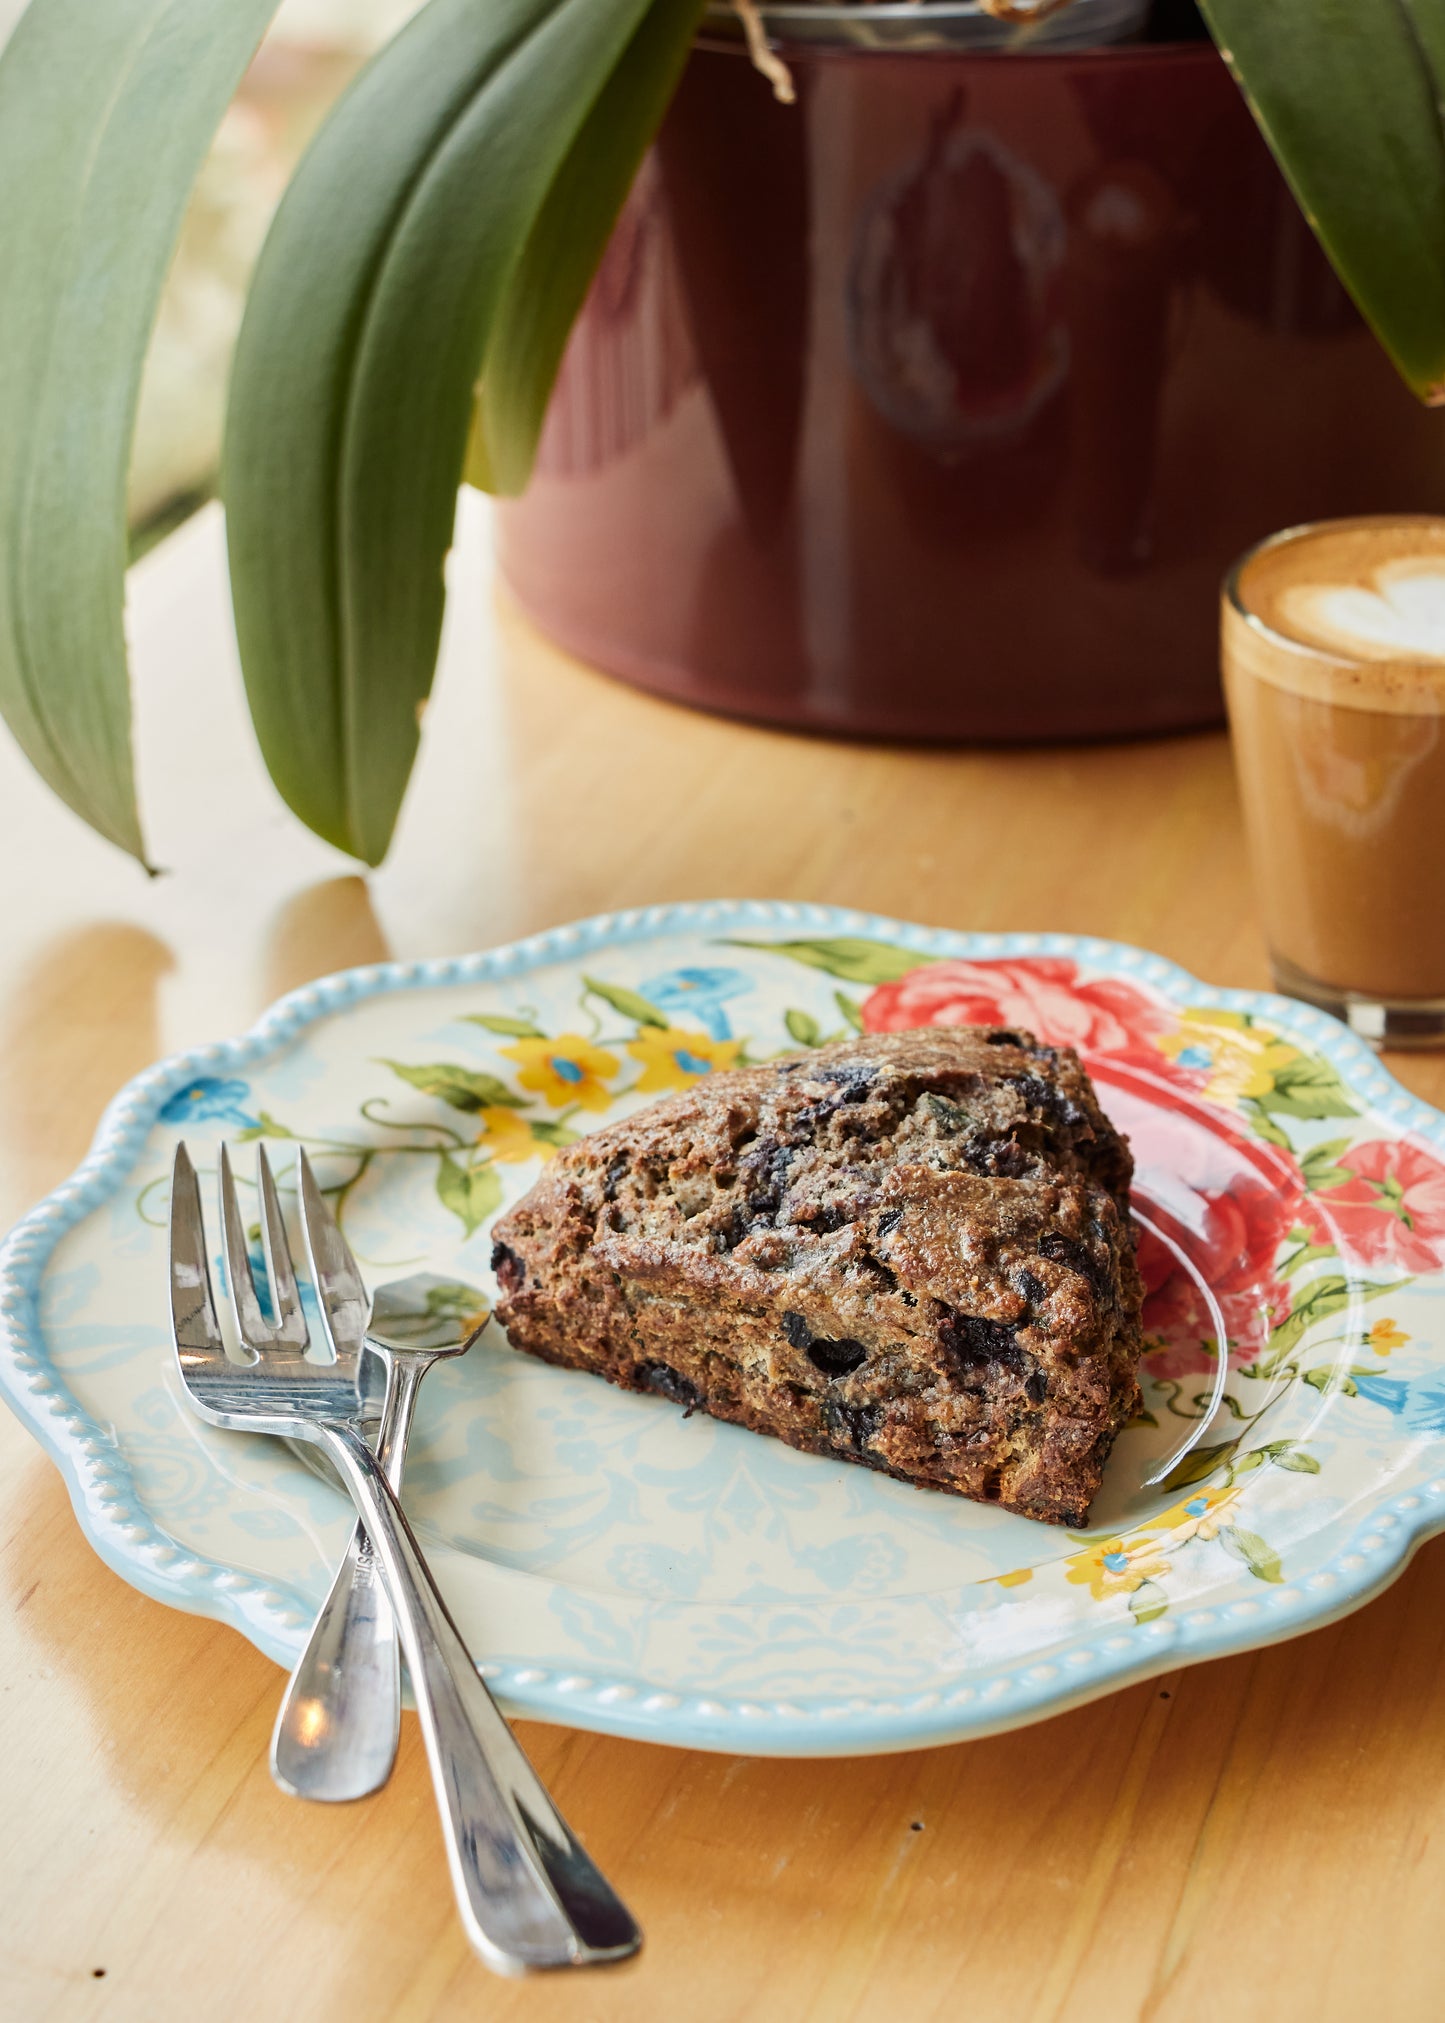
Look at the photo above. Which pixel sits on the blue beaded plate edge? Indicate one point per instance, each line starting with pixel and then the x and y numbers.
pixel 117 1524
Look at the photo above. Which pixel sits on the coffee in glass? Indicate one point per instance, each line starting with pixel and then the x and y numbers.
pixel 1333 644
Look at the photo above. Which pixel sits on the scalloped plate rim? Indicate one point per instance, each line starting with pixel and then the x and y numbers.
pixel 1098 1661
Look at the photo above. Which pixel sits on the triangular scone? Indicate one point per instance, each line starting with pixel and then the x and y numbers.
pixel 911 1250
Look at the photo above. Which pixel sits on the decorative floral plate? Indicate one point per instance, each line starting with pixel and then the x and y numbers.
pixel 623 1568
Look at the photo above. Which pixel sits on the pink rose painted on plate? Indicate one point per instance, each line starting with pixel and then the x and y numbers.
pixel 1390 1210
pixel 1044 994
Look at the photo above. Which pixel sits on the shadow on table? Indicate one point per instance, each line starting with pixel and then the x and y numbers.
pixel 325 927
pixel 79 1020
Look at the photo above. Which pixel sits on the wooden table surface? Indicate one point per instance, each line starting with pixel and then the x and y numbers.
pixel 1259 1837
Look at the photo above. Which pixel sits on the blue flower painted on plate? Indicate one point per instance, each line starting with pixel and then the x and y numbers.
pixel 1420 1405
pixel 699 994
pixel 209 1100
pixel 1195 1057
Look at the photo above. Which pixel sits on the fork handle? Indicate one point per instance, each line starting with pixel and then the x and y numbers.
pixel 528 1893
pixel 339 1722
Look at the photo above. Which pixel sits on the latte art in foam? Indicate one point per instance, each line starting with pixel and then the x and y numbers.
pixel 1403 613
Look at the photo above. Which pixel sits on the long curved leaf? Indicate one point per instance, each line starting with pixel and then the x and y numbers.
pixel 106 110
pixel 1349 96
pixel 374 301
pixel 567 242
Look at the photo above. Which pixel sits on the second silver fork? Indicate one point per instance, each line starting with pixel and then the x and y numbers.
pixel 339 1723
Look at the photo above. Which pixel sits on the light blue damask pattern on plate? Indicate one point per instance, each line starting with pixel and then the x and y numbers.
pixel 627 1569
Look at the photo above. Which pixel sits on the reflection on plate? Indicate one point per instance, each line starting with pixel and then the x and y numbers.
pixel 626 1569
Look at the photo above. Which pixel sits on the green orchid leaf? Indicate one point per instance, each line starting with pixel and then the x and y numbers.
pixel 848 1010
pixel 803 1028
pixel 1348 93
pixel 379 290
pixel 567 242
pixel 628 1002
pixel 462 1088
pixel 470 1192
pixel 848 956
pixel 106 111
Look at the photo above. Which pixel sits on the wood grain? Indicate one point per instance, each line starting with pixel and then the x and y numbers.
pixel 1259 1837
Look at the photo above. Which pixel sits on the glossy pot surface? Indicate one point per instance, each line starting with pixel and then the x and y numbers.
pixel 936 405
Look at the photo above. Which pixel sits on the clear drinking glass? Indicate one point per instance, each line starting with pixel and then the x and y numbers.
pixel 1333 644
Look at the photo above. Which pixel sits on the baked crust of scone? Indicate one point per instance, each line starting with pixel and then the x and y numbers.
pixel 910 1250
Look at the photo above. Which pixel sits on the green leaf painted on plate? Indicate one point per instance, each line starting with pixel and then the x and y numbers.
pixel 1263 1126
pixel 1321 1168
pixel 1200 1462
pixel 1326 1377
pixel 463 1088
pixel 849 1009
pixel 1288 1454
pixel 849 956
pixel 515 1029
pixel 1318 1299
pixel 471 1192
pixel 1308 1253
pixel 547 1132
pixel 1261 1559
pixel 266 1126
pixel 1148 1602
pixel 629 1002
pixel 804 1028
pixel 1309 1087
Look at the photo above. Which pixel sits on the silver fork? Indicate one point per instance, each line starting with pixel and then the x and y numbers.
pixel 339 1722
pixel 528 1893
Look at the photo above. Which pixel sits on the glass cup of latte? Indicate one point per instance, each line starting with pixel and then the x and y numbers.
pixel 1333 644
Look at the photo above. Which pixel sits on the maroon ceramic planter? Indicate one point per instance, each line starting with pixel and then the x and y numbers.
pixel 936 405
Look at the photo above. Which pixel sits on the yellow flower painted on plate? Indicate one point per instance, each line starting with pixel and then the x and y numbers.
pixel 673 1059
pixel 1384 1336
pixel 1017 1578
pixel 1242 1059
pixel 1116 1566
pixel 508 1137
pixel 565 1070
